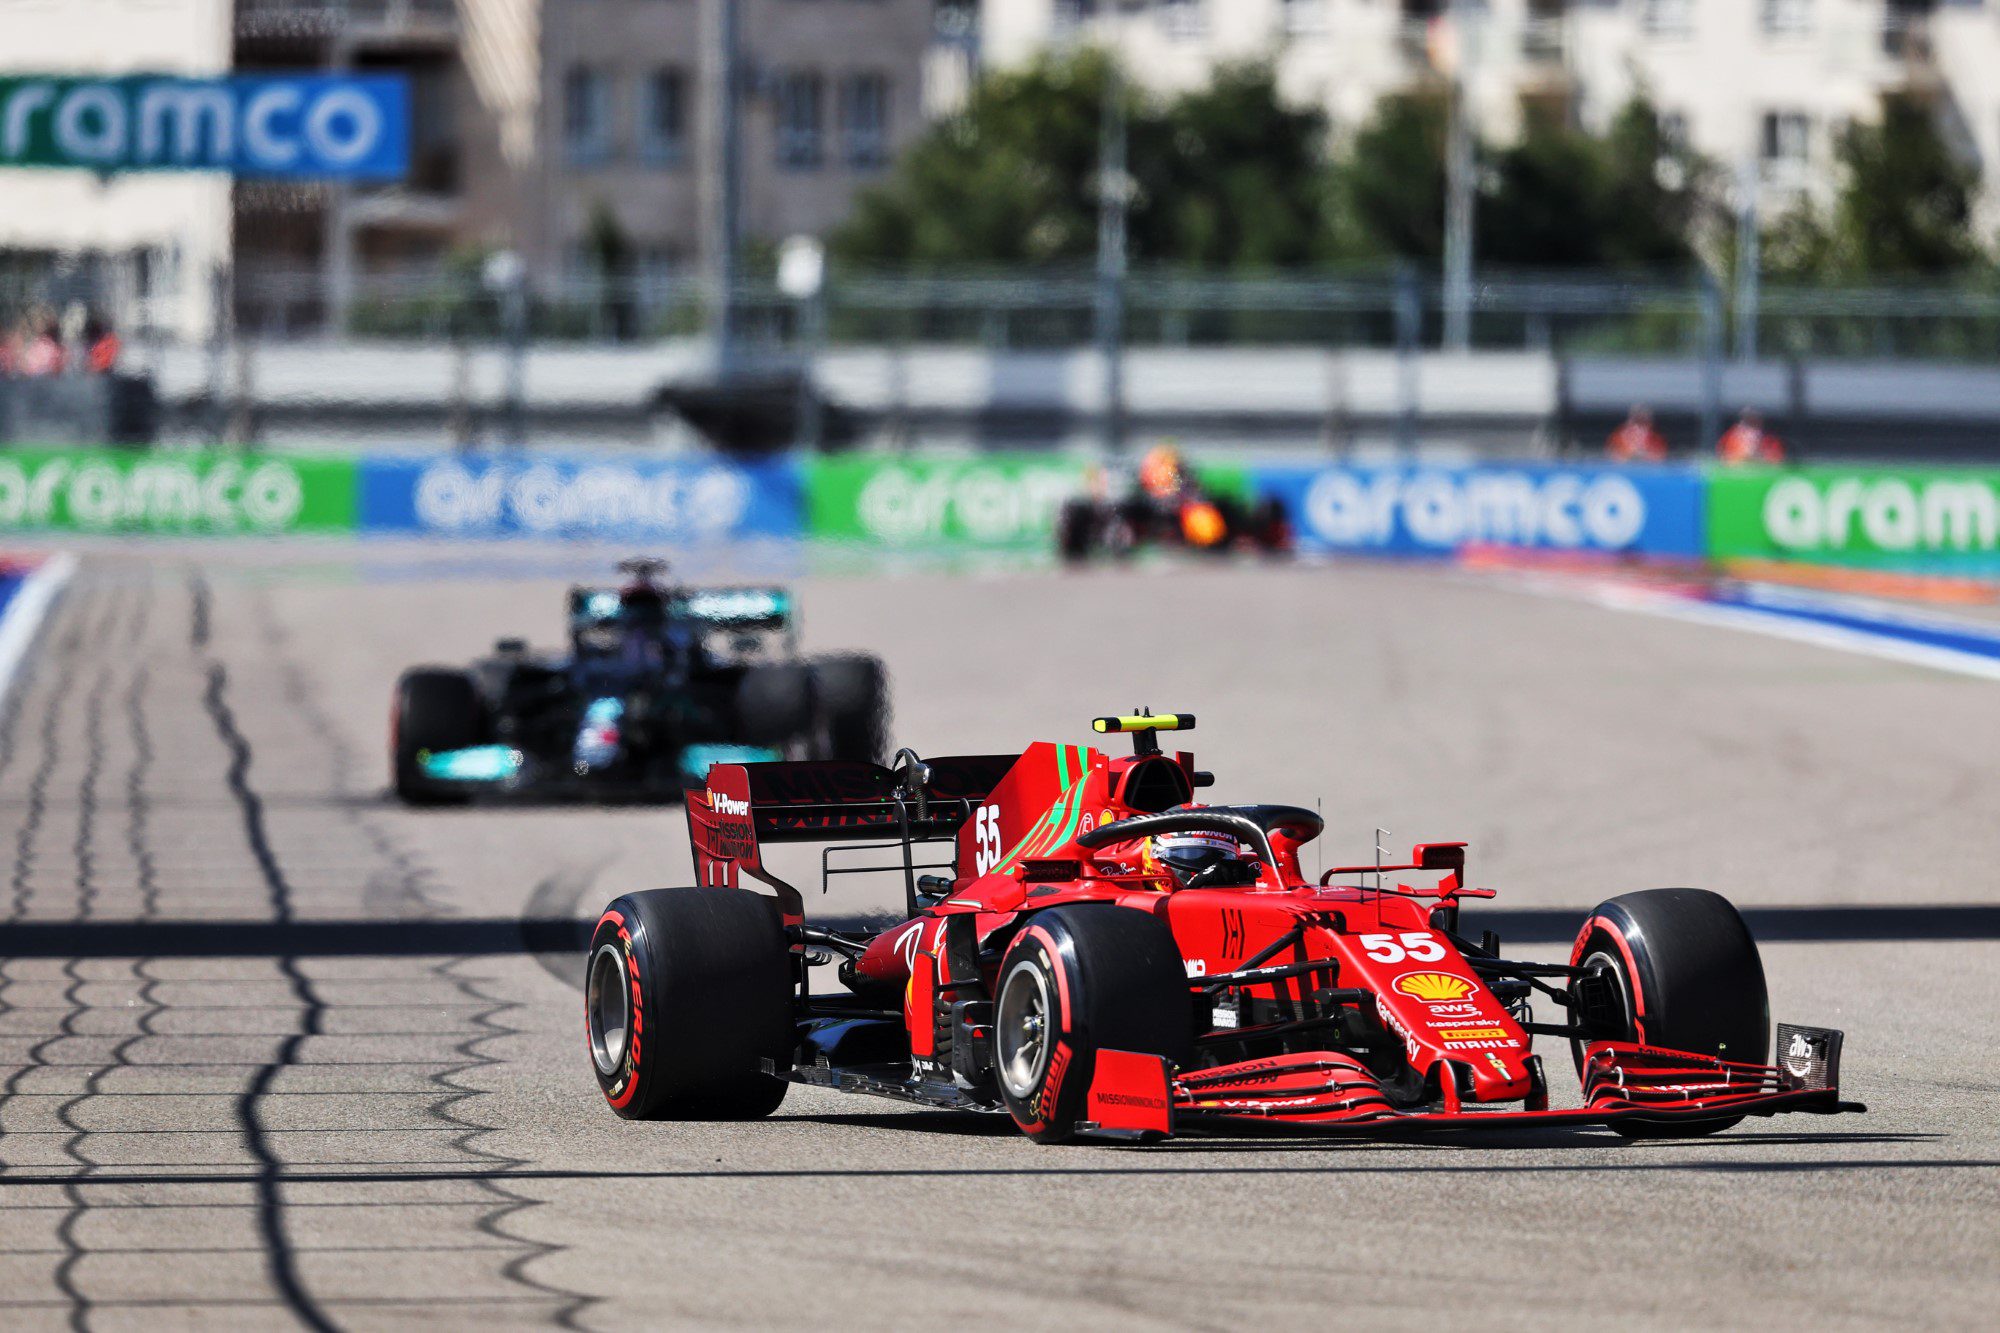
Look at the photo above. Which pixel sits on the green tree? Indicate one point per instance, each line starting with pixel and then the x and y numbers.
pixel 1226 176
pixel 1544 201
pixel 1385 195
pixel 1011 179
pixel 1659 195
pixel 1905 202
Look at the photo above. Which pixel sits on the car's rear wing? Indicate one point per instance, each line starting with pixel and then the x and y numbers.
pixel 744 806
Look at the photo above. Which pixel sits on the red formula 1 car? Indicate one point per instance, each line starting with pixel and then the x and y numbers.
pixel 1054 968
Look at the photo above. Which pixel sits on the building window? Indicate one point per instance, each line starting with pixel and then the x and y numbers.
pixel 864 119
pixel 1785 146
pixel 800 120
pixel 1673 127
pixel 1786 18
pixel 1069 15
pixel 1183 18
pixel 1305 17
pixel 587 115
pixel 1667 18
pixel 663 116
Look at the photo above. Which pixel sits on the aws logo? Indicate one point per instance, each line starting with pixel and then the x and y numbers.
pixel 1433 986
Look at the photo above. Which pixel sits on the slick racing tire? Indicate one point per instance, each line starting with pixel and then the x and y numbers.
pixel 435 709
pixel 1076 531
pixel 686 993
pixel 1687 976
pixel 1075 981
pixel 1271 527
pixel 853 695
pixel 774 704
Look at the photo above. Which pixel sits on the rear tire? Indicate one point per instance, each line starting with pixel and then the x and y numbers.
pixel 686 993
pixel 853 694
pixel 435 709
pixel 774 704
pixel 1688 977
pixel 1075 981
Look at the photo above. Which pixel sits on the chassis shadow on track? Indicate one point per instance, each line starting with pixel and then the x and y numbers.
pixel 1524 1140
pixel 1253 1139
pixel 1050 1162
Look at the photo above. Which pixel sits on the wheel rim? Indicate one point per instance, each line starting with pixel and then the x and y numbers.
pixel 608 1003
pixel 1022 1031
pixel 1599 961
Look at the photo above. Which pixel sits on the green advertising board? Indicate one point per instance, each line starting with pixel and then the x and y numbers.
pixel 990 500
pixel 1867 516
pixel 70 490
pixel 918 501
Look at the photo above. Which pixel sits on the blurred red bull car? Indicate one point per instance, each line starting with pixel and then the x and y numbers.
pixel 1164 503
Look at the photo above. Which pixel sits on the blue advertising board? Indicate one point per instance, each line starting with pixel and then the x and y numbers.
pixel 1417 510
pixel 540 495
pixel 293 126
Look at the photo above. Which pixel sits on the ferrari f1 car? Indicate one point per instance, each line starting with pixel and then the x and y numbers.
pixel 659 682
pixel 1048 973
pixel 1165 503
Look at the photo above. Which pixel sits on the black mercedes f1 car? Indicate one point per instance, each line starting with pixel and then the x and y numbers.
pixel 659 682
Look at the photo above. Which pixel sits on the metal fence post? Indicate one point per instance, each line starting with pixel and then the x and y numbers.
pixel 1409 330
pixel 1711 353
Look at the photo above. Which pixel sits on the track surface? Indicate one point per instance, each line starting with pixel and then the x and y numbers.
pixel 336 1139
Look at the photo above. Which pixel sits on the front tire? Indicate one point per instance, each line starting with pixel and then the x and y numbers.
pixel 1076 530
pixel 1075 981
pixel 1687 976
pixel 686 993
pixel 435 710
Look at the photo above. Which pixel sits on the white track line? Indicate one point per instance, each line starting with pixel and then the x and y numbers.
pixel 1772 624
pixel 24 615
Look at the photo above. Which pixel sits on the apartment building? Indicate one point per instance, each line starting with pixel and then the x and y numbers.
pixel 533 119
pixel 146 242
pixel 1755 84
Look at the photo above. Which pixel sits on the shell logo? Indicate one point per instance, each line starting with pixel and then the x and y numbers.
pixel 1433 985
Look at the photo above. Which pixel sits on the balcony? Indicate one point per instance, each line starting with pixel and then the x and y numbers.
pixel 1906 36
pixel 1545 44
pixel 367 22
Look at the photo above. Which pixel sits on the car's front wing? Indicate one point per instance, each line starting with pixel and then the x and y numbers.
pixel 1333 1092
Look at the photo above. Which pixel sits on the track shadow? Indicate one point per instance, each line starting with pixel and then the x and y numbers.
pixel 1401 1165
pixel 347 938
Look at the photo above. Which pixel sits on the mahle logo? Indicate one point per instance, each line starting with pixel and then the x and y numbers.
pixel 1883 513
pixel 988 504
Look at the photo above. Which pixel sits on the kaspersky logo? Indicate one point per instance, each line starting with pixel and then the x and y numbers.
pixel 1433 986
pixel 726 806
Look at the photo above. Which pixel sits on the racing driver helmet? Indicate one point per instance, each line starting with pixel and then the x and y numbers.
pixel 1214 856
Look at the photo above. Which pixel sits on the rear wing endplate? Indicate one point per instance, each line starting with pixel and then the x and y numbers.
pixel 744 806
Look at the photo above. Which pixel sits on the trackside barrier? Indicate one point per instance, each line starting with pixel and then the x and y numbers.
pixel 1933 519
pixel 1419 510
pixel 105 491
pixel 672 499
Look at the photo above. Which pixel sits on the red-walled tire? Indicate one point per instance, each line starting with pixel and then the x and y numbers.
pixel 1075 981
pixel 1688 977
pixel 686 993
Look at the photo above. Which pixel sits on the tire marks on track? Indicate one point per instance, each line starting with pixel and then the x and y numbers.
pixel 270 1078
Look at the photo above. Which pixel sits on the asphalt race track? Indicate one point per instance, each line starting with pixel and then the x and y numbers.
pixel 292 1116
